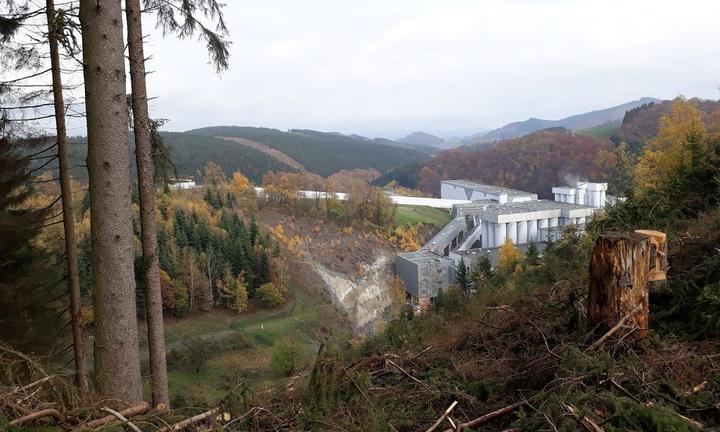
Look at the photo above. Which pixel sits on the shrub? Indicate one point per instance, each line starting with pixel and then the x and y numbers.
pixel 450 299
pixel 270 295
pixel 284 358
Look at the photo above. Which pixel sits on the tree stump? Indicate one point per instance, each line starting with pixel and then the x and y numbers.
pixel 619 267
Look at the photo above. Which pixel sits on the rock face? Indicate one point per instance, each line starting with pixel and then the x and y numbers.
pixel 366 300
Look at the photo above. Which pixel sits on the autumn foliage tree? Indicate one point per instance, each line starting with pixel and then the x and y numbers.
pixel 510 257
pixel 680 144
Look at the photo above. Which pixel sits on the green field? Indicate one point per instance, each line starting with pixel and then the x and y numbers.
pixel 246 344
pixel 406 215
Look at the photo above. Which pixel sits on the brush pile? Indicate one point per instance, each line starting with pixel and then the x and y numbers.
pixel 33 399
pixel 519 364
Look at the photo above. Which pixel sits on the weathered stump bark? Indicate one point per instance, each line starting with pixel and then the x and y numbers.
pixel 619 267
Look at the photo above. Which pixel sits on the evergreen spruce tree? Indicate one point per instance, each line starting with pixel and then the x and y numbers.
pixel 117 351
pixel 481 271
pixel 463 277
pixel 532 255
pixel 253 231
pixel 146 195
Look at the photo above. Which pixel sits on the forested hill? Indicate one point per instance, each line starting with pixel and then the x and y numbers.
pixel 256 151
pixel 419 138
pixel 534 162
pixel 421 147
pixel 576 122
pixel 641 124
pixel 190 153
pixel 319 152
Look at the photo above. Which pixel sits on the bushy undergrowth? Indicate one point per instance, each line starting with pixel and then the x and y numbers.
pixel 507 347
pixel 196 351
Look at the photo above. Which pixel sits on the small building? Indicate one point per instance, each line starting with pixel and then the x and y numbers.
pixel 467 190
pixel 424 273
pixel 182 183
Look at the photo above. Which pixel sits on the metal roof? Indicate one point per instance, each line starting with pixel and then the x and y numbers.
pixel 446 235
pixel 491 189
pixel 423 256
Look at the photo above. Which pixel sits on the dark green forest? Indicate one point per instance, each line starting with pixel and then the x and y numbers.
pixel 191 151
pixel 320 152
pixel 323 153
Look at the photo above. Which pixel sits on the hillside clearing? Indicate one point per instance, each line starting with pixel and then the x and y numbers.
pixel 280 156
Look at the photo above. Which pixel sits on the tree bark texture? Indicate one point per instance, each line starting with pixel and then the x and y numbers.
pixel 73 277
pixel 117 359
pixel 146 187
pixel 619 267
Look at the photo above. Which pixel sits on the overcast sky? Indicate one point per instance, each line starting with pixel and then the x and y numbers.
pixel 386 67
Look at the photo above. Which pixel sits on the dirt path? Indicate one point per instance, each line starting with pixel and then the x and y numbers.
pixel 276 154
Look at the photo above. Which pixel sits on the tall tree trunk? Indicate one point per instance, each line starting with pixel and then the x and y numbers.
pixel 146 187
pixel 73 277
pixel 117 354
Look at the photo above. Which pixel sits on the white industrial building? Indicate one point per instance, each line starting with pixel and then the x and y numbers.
pixel 584 193
pixel 482 226
pixel 182 183
pixel 466 190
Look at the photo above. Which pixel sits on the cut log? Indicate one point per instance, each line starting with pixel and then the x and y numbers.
pixel 194 419
pixel 38 415
pixel 489 416
pixel 619 270
pixel 122 418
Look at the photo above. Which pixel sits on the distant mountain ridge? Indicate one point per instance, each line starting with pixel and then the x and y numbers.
pixel 419 138
pixel 573 123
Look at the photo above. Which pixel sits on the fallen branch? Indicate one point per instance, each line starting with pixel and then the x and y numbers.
pixel 539 331
pixel 121 417
pixel 695 423
pixel 372 405
pixel 134 410
pixel 33 384
pixel 194 419
pixel 614 329
pixel 50 412
pixel 624 390
pixel 408 375
pixel 489 416
pixel 428 348
pixel 585 421
pixel 442 417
